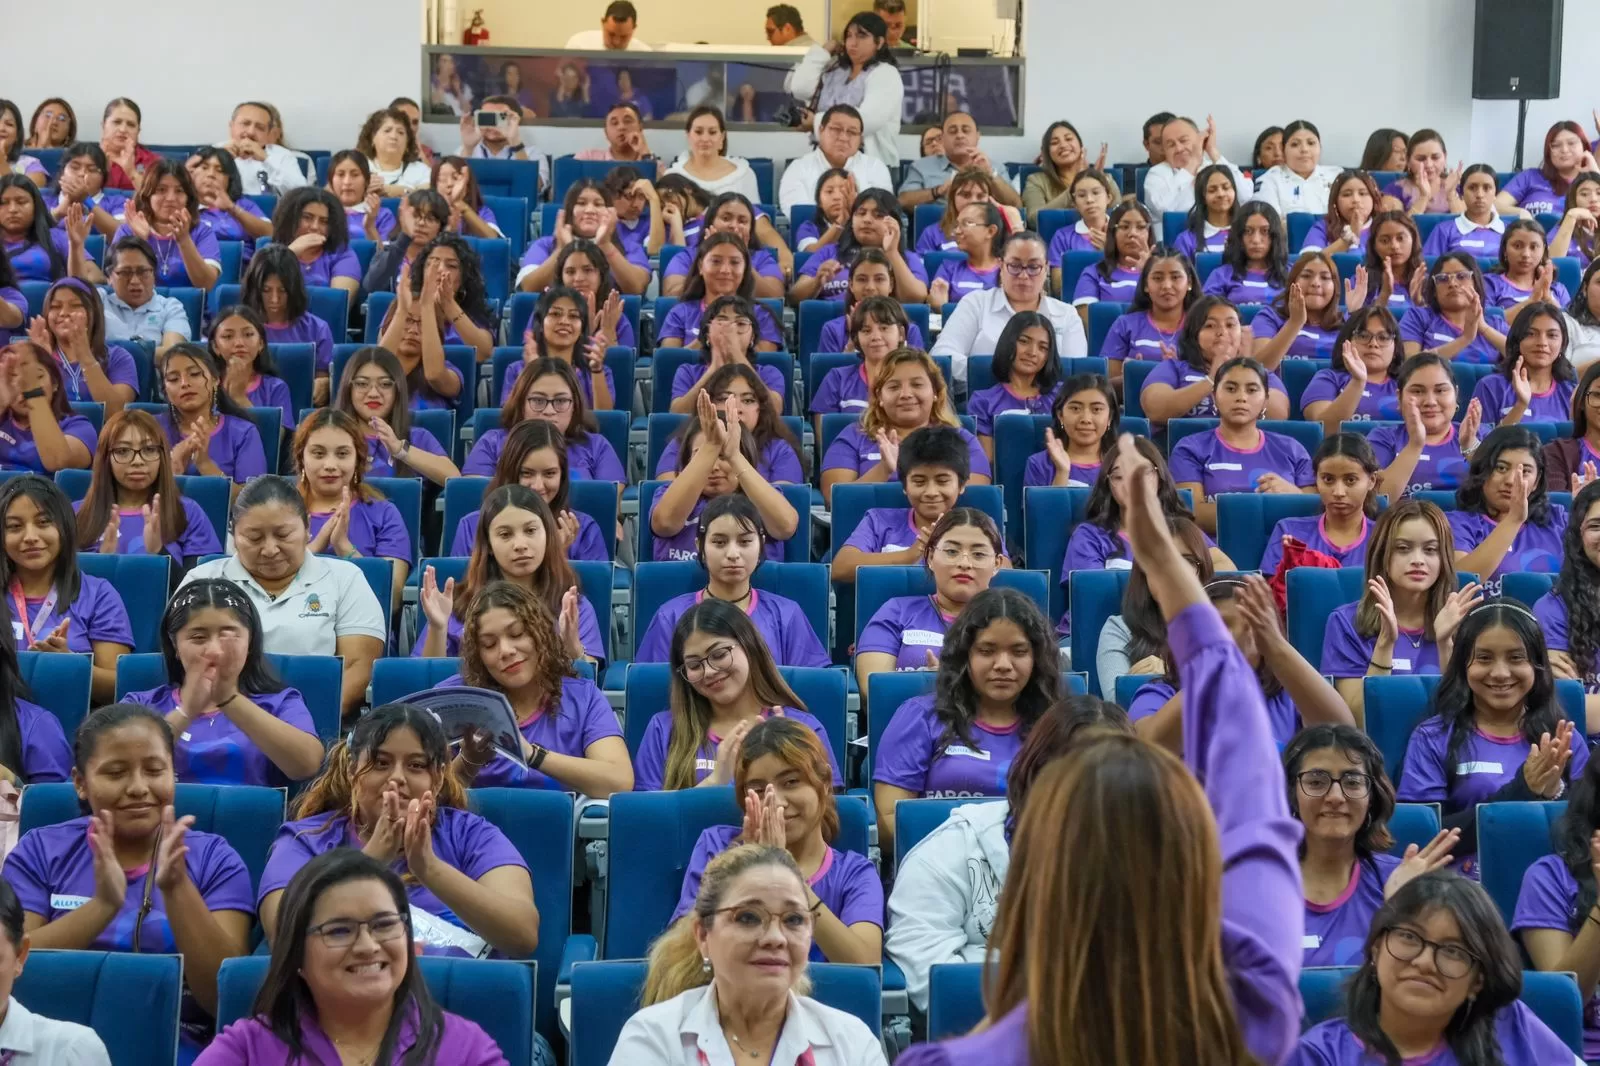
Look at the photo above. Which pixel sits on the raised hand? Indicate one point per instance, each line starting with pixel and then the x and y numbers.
pixel 108 539
pixel 1100 160
pixel 1275 484
pixel 611 313
pixel 1388 623
pixel 307 242
pixel 417 836
pixel 569 624
pixel 1521 489
pixel 1259 610
pixel 889 448
pixel 891 236
pixel 1544 277
pixel 385 839
pixel 56 640
pixel 1469 425
pixel 563 229
pixel 1547 759
pixel 1422 860
pixel 938 293
pixel 1353 364
pixel 39 333
pixel 1457 606
pixel 1057 451
pixel 732 430
pixel 566 530
pixel 827 270
pixel 110 881
pixel 1355 289
pixel 1583 477
pixel 1297 303
pixel 137 222
pixel 728 752
pixel 78 228
pixel 152 526
pixel 1521 386
pixel 172 866
pixel 385 434
pixel 437 603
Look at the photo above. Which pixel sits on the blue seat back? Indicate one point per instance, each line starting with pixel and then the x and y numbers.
pixel 95 412
pixel 1134 371
pixel 1053 220
pixel 1102 315
pixel 1322 992
pixel 595 584
pixel 246 816
pixel 914 819
pixel 955 998
pixel 876 585
pixel 1313 593
pixel 406 494
pixel 496 994
pixel 980 369
pixel 1413 823
pixel 657 582
pixel 812 316
pixel 193 300
pixel 567 171
pixel 1511 838
pixel 378 305
pixel 1245 521
pixel 511 214
pixel 598 500
pixel 925 215
pixel 1095 595
pixel 1296 375
pixel 297 366
pixel 394 677
pixel 462 496
pixel 141 581
pixel 1526 588
pixel 494 260
pixel 514 178
pixel 60 684
pixel 886 691
pixel 1072 265
pixel 130 1001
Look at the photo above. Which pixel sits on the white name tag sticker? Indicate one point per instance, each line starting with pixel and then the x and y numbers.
pixel 853 403
pixel 1224 466
pixel 1147 344
pixel 891 546
pixel 1478 768
pixel 432 930
pixel 922 638
pixel 1192 378
pixel 966 752
pixel 1119 564
pixel 1310 942
pixel 874 455
pixel 705 764
pixel 67 903
pixel 16 631
pixel 1400 664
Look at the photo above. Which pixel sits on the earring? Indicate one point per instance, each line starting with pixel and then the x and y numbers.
pixel 705 965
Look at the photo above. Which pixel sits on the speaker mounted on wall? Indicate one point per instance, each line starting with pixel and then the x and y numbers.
pixel 1516 50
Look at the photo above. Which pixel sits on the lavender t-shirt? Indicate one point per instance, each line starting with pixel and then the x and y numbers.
pixel 307 329
pixel 1312 531
pixel 688 373
pixel 883 529
pixel 589 458
pixel 1253 287
pixel 1379 402
pixel 836 289
pixel 780 621
pixel 852 450
pixel 1480 241
pixel 324 268
pixel 1312 342
pixel 1496 396
pixel 1041 470
pixel 30 261
pixel 213 750
pixel 1177 374
pixel 198 537
pixel 119 368
pixel 1500 292
pixel 97 615
pixel 1317 238
pixel 587 546
pixel 1280 709
pixel 835 337
pixel 762 262
pixel 1432 330
pixel 268 391
pixel 1536 549
pixel 1093 286
pixel 683 324
pixel 46 755
pixel 1533 192
pixel 962 279
pixel 19 451
pixel 843 390
pixel 461 840
pixel 1441 466
pixel 585 382
pixel 375 529
pixel 383 463
pixel 986 404
pixel 1336 931
pixel 846 883
pixel 1552 615
pixel 582 719
pixel 650 764
pixel 910 756
pixel 170 269
pixel 235 446
pixel 1346 653
pixel 1136 336
pixel 1523 1039
pixel 1549 900
pixel 1209 461
pixel 681 545
pixel 907 627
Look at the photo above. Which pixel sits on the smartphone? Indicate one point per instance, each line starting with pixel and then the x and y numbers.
pixel 485 119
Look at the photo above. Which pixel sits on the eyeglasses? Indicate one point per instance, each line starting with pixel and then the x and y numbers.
pixel 342 932
pixel 124 453
pixel 969 223
pixel 1455 277
pixel 1017 270
pixel 1592 397
pixel 842 131
pixel 368 384
pixel 540 403
pixel 1367 336
pixel 752 919
pixel 1449 960
pixel 133 273
pixel 1316 783
pixel 977 556
pixel 718 658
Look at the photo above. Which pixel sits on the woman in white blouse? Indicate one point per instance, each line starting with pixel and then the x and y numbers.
pixel 32 1038
pixel 391 150
pixel 859 70
pixel 706 162
pixel 1301 182
pixel 731 985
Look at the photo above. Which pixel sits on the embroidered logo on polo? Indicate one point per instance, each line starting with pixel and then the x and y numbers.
pixel 313 607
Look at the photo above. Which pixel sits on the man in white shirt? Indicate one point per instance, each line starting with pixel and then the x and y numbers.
pixel 928 179
pixel 134 310
pixel 975 326
pixel 1169 185
pixel 616 32
pixel 838 145
pixel 784 28
pixel 263 167
pixel 501 141
pixel 35 1040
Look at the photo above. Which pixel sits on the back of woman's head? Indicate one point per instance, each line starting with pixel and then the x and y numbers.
pixel 1069 722
pixel 274 262
pixel 1134 935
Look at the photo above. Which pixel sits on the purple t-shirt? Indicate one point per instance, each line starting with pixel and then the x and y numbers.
pixel 588 633
pixel 461 840
pixel 1552 615
pixel 1500 292
pixel 1177 374
pixel 1093 286
pixel 170 270
pixel 1280 708
pixel 384 221
pixel 1312 531
pixel 843 390
pixel 835 337
pixel 1427 327
pixel 321 271
pixel 213 750
pixel 307 329
pixel 1479 241
pixel 683 323
pixel 1536 549
pixel 1495 394
pixel 19 303
pixel 1549 900
pixel 851 450
pixel 589 545
pixel 1533 192
pixel 198 537
pixel 585 382
pixel 251 1042
pixel 689 373
pixel 650 764
pixel 962 279
pixel 1312 342
pixel 114 202
pixel 681 545
pixel 383 463
pixel 1442 466
pixel 846 883
pixel 228 228
pixel 582 719
pixel 1346 653
pixel 1317 238
pixel 31 262
pixel 235 447
pixel 1041 470
pixel 1522 1036
pixel 762 262
pixel 910 755
pixel 1253 288
pixel 779 620
pixel 1337 930
pixel 375 529
pixel 52 871
pixel 119 368
pixel 1074 238
pixel 883 529
pixel 46 755
pixel 19 451
pixel 269 391
pixel 998 399
pixel 933 239
pixel 545 247
pixel 1209 461
pixel 1136 336
pixel 589 458
pixel 907 627
pixel 1186 245
pixel 97 615
pixel 1380 400
pixel 836 289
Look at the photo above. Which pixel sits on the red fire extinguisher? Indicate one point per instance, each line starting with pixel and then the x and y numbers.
pixel 477 32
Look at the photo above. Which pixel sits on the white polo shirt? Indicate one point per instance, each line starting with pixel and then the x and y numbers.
pixel 328 599
pixel 40 1041
pixel 977 322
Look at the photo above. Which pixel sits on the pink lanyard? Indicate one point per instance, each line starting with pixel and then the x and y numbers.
pixel 46 609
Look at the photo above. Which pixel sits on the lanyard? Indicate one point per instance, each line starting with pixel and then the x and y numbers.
pixel 46 609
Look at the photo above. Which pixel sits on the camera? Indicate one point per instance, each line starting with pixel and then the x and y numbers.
pixel 790 115
pixel 488 119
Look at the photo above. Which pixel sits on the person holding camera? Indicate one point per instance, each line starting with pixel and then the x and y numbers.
pixel 861 72
pixel 494 131
pixel 839 137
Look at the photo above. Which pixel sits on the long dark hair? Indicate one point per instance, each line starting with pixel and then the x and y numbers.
pixel 1076 383
pixel 399 414
pixel 597 259
pixel 1572 833
pixel 1352 446
pixel 1104 511
pixel 257 675
pixel 1578 306
pixel 523 439
pixel 1360 319
pixel 95 510
pixel 275 261
pixel 230 169
pixel 1161 254
pixel 1578 588
pixel 569 203
pixel 1373 837
pixel 12 688
pixel 1147 628
pixel 1111 253
pixel 1233 254
pixel 1454 702
pixel 94 308
pixel 1380 146
pixel 221 402
pixel 1469 496
pixel 737 506
pixel 1005 350
pixel 1561 369
pixel 554 576
pixel 39 228
pixel 1521 225
pixel 1374 262
pixel 695 288
pixel 285 999
pixel 264 363
pixel 54 505
pixel 1430 290
pixel 1200 213
pixel 769 427
pixel 471 294
pixel 286 219
pixel 885 202
pixel 1194 323
pixel 541 311
pixel 870 23
pixel 955 702
pixel 1470 1032
pixel 583 421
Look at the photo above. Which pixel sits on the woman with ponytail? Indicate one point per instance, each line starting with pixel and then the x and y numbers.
pixel 388 790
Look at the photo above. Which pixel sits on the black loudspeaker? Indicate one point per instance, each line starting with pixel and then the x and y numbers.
pixel 1516 50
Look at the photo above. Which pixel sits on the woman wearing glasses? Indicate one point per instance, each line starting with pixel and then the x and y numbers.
pixel 1339 792
pixel 373 388
pixel 134 506
pixel 549 391
pixel 1455 318
pixel 1438 983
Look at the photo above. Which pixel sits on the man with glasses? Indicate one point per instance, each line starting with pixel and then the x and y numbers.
pixel 134 310
pixel 625 142
pixel 839 140
pixel 979 319
pixel 928 179
pixel 785 29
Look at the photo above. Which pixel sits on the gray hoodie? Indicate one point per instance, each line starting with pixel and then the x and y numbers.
pixel 943 904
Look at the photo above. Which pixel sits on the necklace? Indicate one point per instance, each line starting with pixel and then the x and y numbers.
pixel 753 1053
pixel 363 1058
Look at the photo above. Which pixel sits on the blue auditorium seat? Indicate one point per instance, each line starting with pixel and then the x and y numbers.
pixel 657 582
pixel 1101 317
pixel 131 1001
pixel 406 494
pixel 193 301
pixel 852 501
pixel 1511 838
pixel 914 819
pixel 141 581
pixel 955 999
pixel 1095 595
pixel 394 677
pixel 297 366
pixel 60 684
pixel 1309 434
pixel 885 692
pixel 1245 520
pixel 514 178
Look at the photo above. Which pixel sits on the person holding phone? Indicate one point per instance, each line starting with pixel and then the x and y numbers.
pixel 494 131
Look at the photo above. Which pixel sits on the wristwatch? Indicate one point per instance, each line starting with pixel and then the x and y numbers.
pixel 33 394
